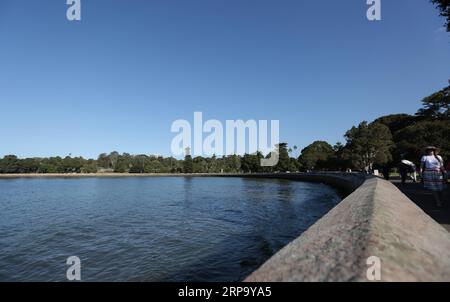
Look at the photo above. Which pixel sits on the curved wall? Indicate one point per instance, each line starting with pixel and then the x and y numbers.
pixel 375 220
pixel 346 182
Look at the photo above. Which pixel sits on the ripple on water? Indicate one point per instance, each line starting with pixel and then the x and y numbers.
pixel 151 229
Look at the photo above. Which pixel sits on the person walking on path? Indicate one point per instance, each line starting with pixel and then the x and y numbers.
pixel 432 171
pixel 406 167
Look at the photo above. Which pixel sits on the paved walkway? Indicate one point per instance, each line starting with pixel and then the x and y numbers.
pixel 425 201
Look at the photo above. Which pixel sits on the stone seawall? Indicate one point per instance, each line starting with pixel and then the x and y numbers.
pixel 346 182
pixel 375 220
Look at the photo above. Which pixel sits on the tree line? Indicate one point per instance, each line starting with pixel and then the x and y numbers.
pixel 380 144
pixel 127 163
pixel 383 143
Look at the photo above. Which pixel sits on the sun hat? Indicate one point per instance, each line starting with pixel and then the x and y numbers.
pixel 431 148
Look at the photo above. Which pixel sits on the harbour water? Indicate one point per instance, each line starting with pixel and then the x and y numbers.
pixel 151 229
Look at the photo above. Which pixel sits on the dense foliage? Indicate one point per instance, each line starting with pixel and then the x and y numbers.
pixel 444 7
pixel 369 144
pixel 380 144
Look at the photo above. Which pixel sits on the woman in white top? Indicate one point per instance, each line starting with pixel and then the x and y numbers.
pixel 432 171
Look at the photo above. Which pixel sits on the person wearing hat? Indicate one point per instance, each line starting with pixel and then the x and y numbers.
pixel 432 171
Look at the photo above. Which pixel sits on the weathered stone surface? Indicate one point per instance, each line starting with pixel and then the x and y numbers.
pixel 375 220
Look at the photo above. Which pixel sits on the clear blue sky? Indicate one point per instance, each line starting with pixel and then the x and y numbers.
pixel 120 77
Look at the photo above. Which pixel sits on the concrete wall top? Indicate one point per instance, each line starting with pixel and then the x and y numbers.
pixel 375 220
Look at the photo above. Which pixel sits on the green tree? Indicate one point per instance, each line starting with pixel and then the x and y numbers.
pixel 369 144
pixel 294 165
pixel 28 165
pixel 9 164
pixel 283 159
pixel 188 164
pixel 436 106
pixel 138 164
pixel 200 165
pixel 72 165
pixel 319 151
pixel 124 163
pixel 396 122
pixel 250 163
pixel 103 161
pixel 213 165
pixel 113 159
pixel 411 140
pixel 338 161
pixel 444 7
pixel 172 165
pixel 154 165
pixel 234 163
pixel 89 167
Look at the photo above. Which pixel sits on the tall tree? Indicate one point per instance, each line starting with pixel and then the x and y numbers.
pixel 444 7
pixel 124 163
pixel 9 164
pixel 235 163
pixel 90 166
pixel 113 159
pixel 283 159
pixel 436 106
pixel 396 122
pixel 213 166
pixel 251 163
pixel 369 144
pixel 103 161
pixel 188 164
pixel 315 152
pixel 411 140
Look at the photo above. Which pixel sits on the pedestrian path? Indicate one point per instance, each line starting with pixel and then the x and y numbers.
pixel 424 200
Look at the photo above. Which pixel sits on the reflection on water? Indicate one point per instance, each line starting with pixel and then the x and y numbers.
pixel 151 229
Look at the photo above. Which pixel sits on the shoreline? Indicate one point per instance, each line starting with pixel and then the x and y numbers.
pixel 338 180
pixel 86 175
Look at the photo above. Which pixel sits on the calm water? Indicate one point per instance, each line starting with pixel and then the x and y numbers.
pixel 151 229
